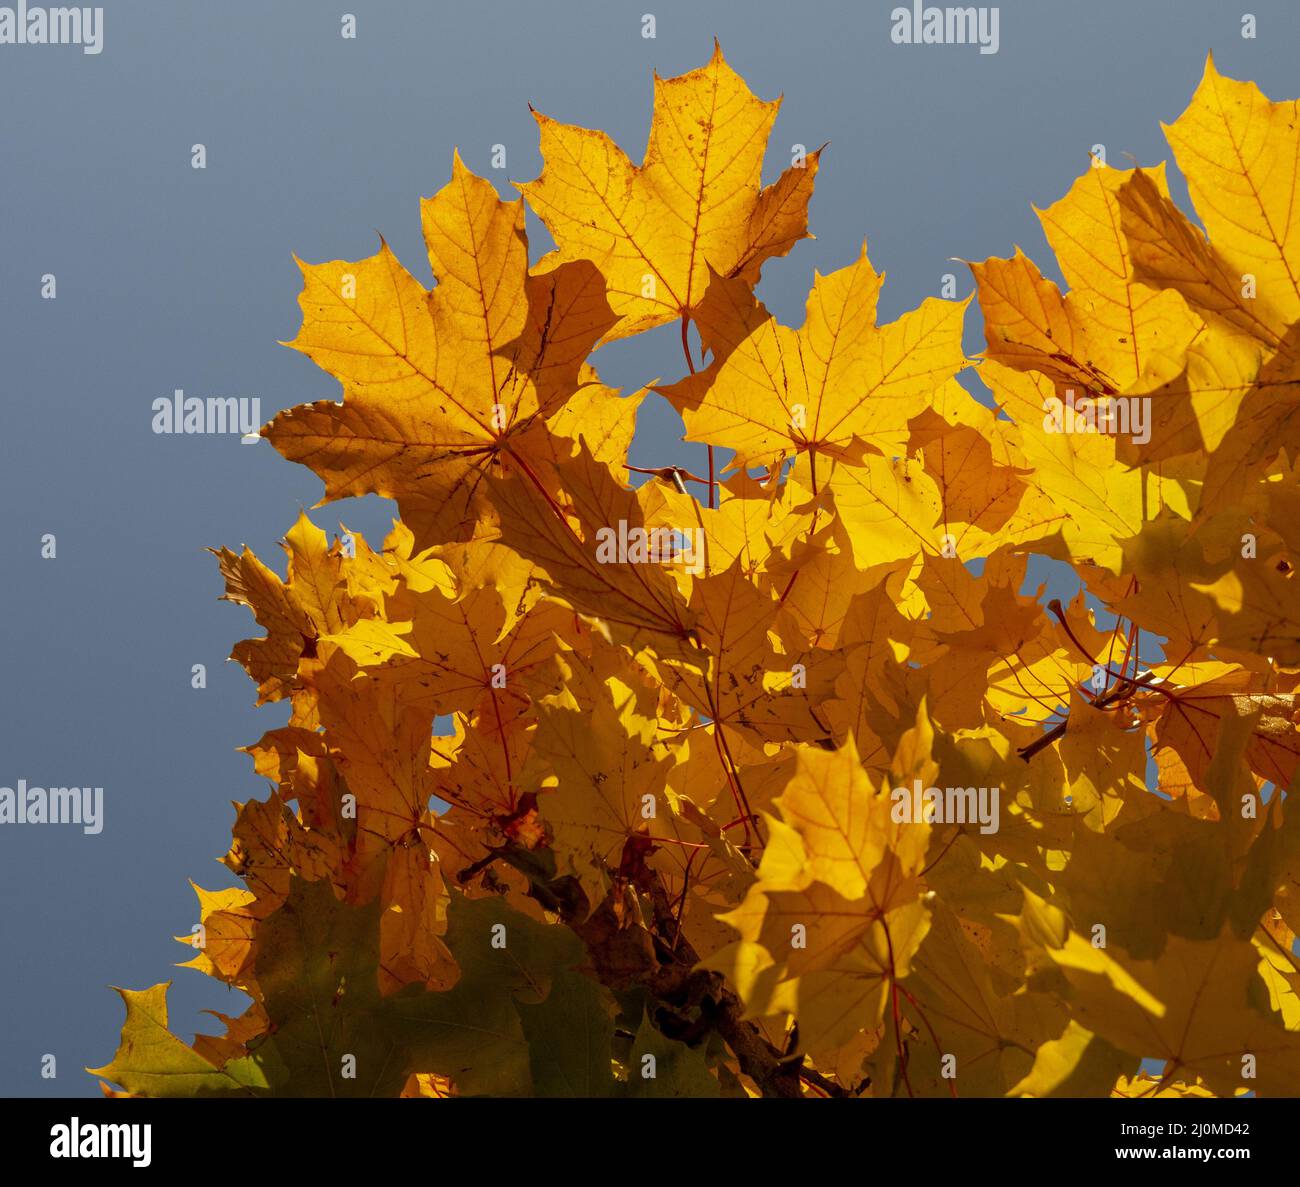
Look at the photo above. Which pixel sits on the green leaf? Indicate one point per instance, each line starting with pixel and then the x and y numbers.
pixel 151 1061
pixel 678 1070
pixel 569 1038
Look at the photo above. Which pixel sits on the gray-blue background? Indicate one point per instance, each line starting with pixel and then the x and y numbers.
pixel 170 277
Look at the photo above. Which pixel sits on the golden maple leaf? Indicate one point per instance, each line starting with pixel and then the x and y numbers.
pixel 695 204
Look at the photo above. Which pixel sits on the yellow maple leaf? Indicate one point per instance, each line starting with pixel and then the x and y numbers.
pixel 439 385
pixel 656 229
pixel 836 385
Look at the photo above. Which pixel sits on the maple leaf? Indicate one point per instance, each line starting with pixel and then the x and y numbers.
pixel 1237 150
pixel 635 601
pixel 835 386
pixel 151 1061
pixel 953 1001
pixel 315 599
pixel 438 385
pixel 835 914
pixel 1203 1022
pixel 1191 724
pixel 1107 332
pixel 741 677
pixel 694 205
pixel 597 740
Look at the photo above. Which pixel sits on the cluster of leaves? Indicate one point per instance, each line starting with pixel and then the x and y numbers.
pixel 669 860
